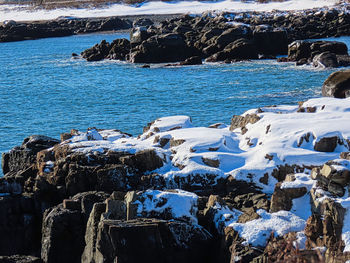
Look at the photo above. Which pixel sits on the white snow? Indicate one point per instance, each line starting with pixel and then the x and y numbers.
pixel 345 202
pixel 214 153
pixel 300 242
pixel 18 13
pixel 181 204
pixel 256 232
pixel 200 156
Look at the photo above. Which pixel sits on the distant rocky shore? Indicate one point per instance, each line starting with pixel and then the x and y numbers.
pixel 271 187
pixel 66 26
pixel 233 37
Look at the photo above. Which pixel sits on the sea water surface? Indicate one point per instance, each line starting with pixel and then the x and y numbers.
pixel 43 90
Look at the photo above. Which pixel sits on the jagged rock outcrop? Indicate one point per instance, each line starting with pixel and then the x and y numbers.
pixel 64 228
pixel 324 54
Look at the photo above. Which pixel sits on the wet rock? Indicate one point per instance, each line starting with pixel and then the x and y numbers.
pixel 97 52
pixel 196 60
pixel 321 53
pixel 325 60
pixel 299 50
pixel 337 85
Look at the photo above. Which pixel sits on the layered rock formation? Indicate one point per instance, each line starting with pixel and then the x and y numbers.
pixel 272 186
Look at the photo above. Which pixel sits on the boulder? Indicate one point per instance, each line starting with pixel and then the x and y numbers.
pixel 326 144
pixel 138 35
pixel 335 47
pixel 337 85
pixel 325 60
pixel 231 35
pixel 150 240
pixel 97 52
pixel 299 49
pixel 303 49
pixel 120 48
pixel 162 49
pixel 241 49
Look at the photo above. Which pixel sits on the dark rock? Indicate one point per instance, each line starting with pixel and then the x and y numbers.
pixel 147 160
pixel 299 50
pixel 97 52
pixel 138 35
pixel 19 259
pixel 196 60
pixel 326 144
pixel 162 49
pixel 62 235
pixel 270 41
pixel 24 156
pixel 335 47
pixel 148 240
pixel 63 230
pixel 337 85
pixel 241 49
pixel 120 48
pixel 325 60
pixel 231 35
pixel 142 22
pixel 19 225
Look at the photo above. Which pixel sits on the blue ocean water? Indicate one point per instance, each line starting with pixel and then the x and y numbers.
pixel 44 91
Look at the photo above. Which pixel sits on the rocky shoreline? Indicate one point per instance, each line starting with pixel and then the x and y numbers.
pixel 228 37
pixel 271 187
pixel 66 26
